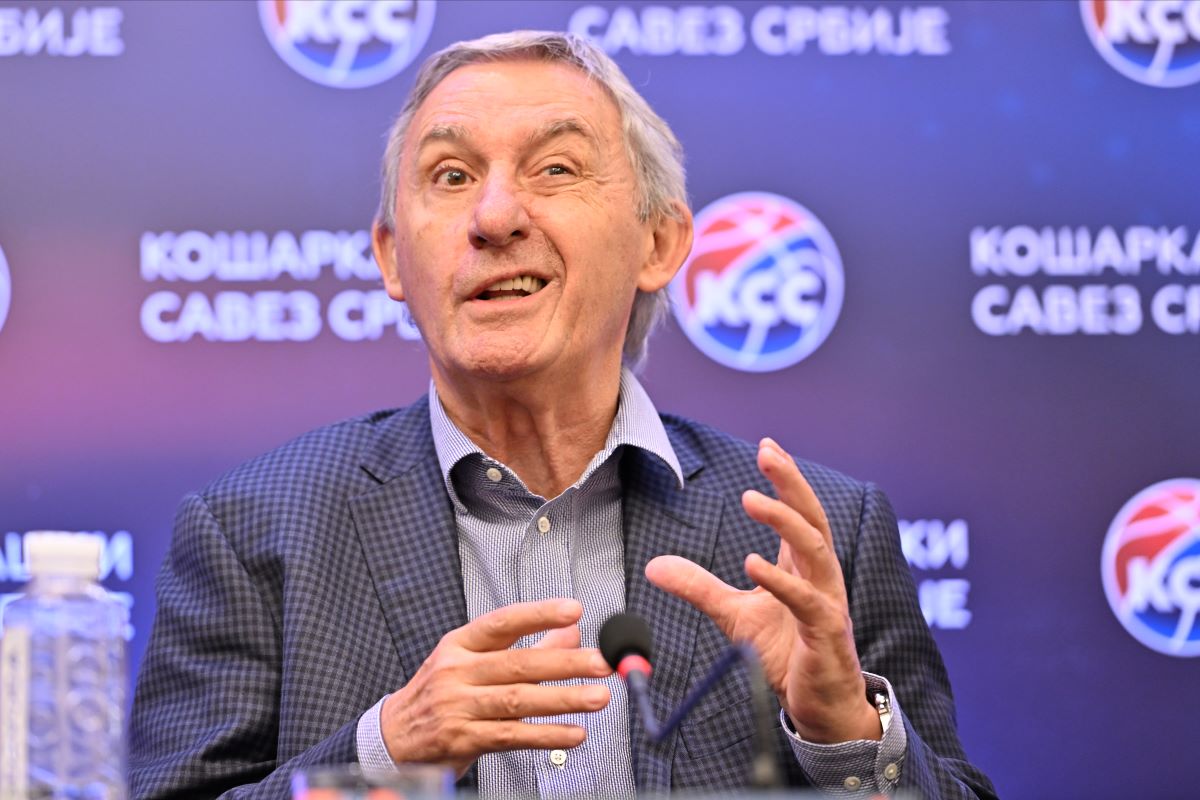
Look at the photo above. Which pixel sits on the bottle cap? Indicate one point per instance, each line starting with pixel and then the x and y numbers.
pixel 61 553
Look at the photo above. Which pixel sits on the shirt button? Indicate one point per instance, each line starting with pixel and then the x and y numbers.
pixel 544 527
pixel 852 783
pixel 891 772
pixel 558 757
pixel 494 475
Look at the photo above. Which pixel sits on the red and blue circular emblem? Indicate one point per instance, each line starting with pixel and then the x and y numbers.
pixel 1155 42
pixel 347 44
pixel 763 286
pixel 1151 567
pixel 5 289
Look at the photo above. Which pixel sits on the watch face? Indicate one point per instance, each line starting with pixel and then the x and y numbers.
pixel 883 705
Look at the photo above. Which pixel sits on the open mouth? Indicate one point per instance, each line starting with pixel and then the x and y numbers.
pixel 522 286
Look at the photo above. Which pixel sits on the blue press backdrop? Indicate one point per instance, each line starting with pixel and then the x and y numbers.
pixel 960 156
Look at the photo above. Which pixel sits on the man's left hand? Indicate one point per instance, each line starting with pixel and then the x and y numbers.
pixel 797 617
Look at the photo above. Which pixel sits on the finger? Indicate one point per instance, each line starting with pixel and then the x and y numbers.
pixel 791 485
pixel 536 664
pixel 500 629
pixel 496 736
pixel 691 582
pixel 809 549
pixel 560 638
pixel 521 700
pixel 801 598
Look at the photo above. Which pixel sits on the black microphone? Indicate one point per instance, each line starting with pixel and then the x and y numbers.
pixel 626 644
pixel 628 647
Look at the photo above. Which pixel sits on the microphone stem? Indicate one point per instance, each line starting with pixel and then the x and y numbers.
pixel 765 773
pixel 639 687
pixel 718 670
pixel 764 770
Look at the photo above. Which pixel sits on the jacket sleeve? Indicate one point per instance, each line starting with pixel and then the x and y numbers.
pixel 206 707
pixel 894 641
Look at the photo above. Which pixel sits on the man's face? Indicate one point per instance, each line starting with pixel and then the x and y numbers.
pixel 517 243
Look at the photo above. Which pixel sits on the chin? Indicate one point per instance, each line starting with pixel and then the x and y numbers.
pixel 497 363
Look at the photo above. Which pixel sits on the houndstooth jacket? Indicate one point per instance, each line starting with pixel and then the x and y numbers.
pixel 307 583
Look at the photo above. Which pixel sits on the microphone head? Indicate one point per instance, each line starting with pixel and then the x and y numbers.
pixel 625 634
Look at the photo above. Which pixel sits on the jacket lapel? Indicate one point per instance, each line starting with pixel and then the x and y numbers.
pixel 409 540
pixel 406 528
pixel 660 518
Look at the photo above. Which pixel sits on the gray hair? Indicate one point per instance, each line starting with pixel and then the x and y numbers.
pixel 653 150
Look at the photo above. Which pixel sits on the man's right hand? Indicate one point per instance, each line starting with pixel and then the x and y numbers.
pixel 470 695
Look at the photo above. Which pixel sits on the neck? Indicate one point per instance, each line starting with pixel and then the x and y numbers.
pixel 547 432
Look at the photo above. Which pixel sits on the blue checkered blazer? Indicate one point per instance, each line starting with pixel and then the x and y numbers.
pixel 304 585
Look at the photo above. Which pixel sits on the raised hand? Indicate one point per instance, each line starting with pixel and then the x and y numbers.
pixel 471 694
pixel 797 617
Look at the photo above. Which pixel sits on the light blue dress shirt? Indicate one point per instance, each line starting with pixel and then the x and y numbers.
pixel 516 547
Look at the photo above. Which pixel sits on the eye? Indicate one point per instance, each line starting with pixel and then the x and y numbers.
pixel 451 177
pixel 558 169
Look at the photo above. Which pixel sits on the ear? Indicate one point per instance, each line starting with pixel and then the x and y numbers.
pixel 671 243
pixel 383 245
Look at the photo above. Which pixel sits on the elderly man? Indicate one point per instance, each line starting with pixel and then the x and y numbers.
pixel 426 585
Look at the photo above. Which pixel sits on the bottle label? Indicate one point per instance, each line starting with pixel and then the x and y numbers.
pixel 14 713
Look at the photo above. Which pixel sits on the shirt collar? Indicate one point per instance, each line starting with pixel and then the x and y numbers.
pixel 636 424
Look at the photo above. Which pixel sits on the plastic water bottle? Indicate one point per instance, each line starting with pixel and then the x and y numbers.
pixel 62 678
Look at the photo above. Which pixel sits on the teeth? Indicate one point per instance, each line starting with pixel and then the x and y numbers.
pixel 525 283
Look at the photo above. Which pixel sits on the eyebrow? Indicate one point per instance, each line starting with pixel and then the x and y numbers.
pixel 459 134
pixel 443 133
pixel 560 127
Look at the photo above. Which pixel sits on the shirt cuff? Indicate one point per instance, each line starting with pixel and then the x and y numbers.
pixel 859 768
pixel 372 752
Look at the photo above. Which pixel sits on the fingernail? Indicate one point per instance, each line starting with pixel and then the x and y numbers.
pixel 568 606
pixel 779 451
pixel 594 695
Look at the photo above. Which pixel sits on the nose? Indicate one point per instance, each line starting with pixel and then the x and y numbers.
pixel 499 217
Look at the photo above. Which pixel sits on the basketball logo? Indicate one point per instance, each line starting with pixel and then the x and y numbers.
pixel 1154 42
pixel 347 44
pixel 5 289
pixel 762 288
pixel 1151 567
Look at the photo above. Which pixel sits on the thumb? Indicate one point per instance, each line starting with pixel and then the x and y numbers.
pixel 691 582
